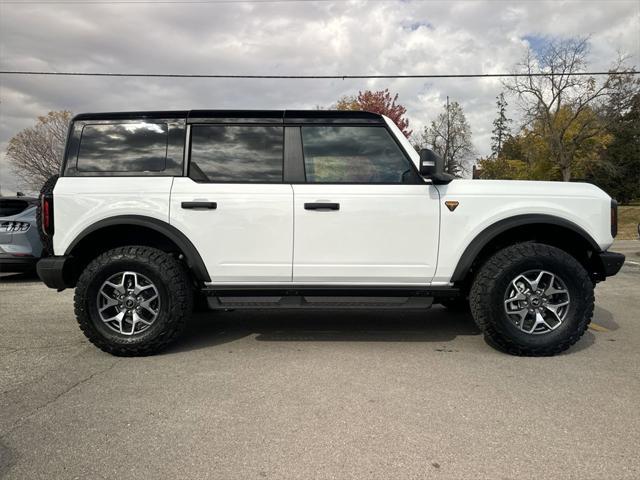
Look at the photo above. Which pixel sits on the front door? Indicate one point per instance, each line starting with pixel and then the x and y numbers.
pixel 364 216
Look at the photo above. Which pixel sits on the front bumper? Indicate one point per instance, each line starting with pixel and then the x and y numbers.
pixel 56 272
pixel 610 262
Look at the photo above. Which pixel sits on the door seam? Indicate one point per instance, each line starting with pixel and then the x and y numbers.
pixel 293 230
pixel 170 199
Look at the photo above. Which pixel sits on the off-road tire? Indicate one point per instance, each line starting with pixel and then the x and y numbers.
pixel 488 290
pixel 46 240
pixel 175 290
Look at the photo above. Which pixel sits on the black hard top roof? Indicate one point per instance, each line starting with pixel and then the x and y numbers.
pixel 254 116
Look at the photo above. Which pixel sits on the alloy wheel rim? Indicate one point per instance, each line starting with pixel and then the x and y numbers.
pixel 537 301
pixel 128 303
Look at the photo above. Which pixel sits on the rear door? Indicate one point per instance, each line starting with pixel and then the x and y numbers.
pixel 233 205
pixel 364 215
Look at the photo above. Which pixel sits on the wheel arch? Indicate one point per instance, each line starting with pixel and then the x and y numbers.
pixel 124 230
pixel 543 228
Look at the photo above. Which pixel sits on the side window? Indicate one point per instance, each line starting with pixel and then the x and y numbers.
pixel 123 147
pixel 236 153
pixel 349 154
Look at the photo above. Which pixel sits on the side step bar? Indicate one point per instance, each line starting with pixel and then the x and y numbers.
pixel 301 301
pixel 261 297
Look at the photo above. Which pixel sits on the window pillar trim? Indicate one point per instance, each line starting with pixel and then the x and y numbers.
pixel 186 159
pixel 293 157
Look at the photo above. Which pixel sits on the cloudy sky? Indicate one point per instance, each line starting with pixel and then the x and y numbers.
pixel 282 37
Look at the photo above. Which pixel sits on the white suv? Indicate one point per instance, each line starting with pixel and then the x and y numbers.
pixel 290 209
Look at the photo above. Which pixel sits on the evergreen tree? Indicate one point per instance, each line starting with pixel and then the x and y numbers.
pixel 501 130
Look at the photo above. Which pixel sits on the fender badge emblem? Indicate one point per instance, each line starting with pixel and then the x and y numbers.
pixel 452 204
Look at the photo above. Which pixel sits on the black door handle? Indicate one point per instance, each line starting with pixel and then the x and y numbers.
pixel 200 205
pixel 322 206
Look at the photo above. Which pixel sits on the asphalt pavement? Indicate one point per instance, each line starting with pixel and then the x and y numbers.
pixel 318 395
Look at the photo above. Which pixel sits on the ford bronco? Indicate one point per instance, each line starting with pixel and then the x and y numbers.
pixel 155 211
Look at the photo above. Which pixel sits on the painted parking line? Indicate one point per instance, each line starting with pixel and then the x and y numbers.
pixel 598 328
pixel 632 263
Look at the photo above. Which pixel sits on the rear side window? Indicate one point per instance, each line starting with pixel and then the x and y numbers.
pixel 123 147
pixel 353 154
pixel 236 153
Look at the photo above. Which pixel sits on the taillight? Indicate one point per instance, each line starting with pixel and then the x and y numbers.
pixel 46 201
pixel 614 218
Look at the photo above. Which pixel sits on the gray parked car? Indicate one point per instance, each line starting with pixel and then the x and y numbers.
pixel 20 245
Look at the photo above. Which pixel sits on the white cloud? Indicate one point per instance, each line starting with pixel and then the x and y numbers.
pixel 342 37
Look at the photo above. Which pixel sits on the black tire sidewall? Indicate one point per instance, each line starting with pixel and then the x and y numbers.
pixel 572 276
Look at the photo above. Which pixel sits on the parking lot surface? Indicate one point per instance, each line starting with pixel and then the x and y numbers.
pixel 310 394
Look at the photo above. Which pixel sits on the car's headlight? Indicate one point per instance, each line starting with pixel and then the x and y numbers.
pixel 7 227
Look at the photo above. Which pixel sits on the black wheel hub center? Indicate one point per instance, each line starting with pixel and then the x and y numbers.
pixel 130 302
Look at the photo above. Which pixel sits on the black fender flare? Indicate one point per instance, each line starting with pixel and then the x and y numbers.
pixel 191 254
pixel 501 226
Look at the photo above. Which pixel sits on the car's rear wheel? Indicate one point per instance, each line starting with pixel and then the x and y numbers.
pixel 133 301
pixel 532 299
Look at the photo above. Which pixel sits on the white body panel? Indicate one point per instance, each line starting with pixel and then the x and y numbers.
pixel 248 238
pixel 80 202
pixel 382 234
pixel 485 202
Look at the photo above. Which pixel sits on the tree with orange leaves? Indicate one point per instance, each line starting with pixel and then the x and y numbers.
pixel 381 102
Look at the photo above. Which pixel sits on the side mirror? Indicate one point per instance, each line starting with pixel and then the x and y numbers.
pixel 432 167
pixel 430 163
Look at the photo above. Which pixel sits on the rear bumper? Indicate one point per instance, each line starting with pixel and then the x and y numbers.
pixel 610 262
pixel 55 272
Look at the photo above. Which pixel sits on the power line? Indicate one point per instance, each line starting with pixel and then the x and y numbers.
pixel 209 2
pixel 176 2
pixel 301 77
pixel 206 2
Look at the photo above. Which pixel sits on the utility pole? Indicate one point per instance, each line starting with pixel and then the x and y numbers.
pixel 446 144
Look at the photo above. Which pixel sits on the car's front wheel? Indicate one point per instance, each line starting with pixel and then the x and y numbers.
pixel 133 300
pixel 532 299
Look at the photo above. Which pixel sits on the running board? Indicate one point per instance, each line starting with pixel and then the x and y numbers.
pixel 317 301
pixel 221 297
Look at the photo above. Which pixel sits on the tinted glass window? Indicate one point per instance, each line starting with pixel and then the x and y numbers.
pixel 242 154
pixel 123 147
pixel 10 207
pixel 353 155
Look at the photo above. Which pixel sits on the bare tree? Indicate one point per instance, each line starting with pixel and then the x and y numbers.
pixel 36 152
pixel 449 135
pixel 563 103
